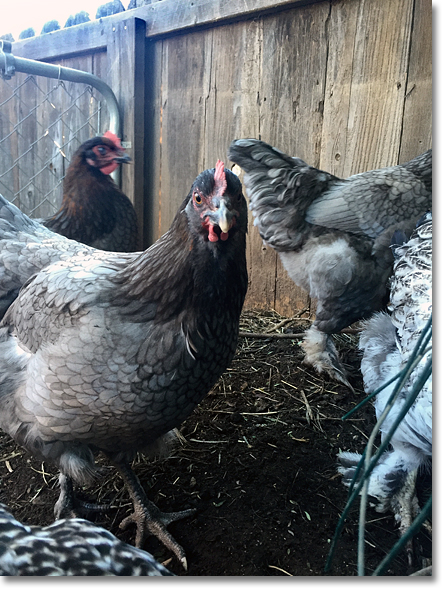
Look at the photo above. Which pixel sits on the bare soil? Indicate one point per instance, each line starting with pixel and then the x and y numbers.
pixel 258 462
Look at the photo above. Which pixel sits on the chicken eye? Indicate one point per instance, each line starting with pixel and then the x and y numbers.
pixel 197 198
pixel 102 150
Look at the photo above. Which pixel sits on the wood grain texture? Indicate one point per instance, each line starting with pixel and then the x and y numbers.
pixel 125 75
pixel 162 18
pixel 292 98
pixel 378 82
pixel 417 118
pixel 233 111
pixel 185 83
pixel 344 84
pixel 341 33
pixel 10 180
pixel 170 16
pixel 42 166
pixel 153 142
pixel 86 38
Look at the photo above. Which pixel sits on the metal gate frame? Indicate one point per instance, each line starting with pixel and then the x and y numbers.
pixel 9 65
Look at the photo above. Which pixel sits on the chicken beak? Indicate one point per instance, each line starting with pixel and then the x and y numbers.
pixel 224 217
pixel 122 158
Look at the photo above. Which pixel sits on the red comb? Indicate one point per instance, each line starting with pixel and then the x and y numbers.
pixel 113 138
pixel 220 178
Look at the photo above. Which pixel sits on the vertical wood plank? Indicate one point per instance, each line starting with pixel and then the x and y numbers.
pixel 341 33
pixel 417 117
pixel 292 95
pixel 185 88
pixel 378 84
pixel 72 102
pixel 9 177
pixel 29 128
pixel 232 111
pixel 76 106
pixel 99 68
pixel 125 63
pixel 153 141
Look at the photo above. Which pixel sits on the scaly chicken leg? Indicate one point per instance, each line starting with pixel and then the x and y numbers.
pixel 148 517
pixel 68 506
pixel 321 354
pixel 64 507
pixel 121 347
pixel 407 509
pixel 390 344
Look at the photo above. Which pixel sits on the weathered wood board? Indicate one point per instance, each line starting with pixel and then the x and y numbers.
pixel 325 81
pixel 344 84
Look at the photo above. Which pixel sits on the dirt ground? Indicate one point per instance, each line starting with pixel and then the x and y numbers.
pixel 258 463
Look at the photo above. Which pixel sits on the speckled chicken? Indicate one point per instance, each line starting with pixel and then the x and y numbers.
pixel 333 235
pixel 94 211
pixel 388 343
pixel 69 547
pixel 108 351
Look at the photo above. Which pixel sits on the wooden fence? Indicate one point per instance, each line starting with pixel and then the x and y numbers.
pixel 344 84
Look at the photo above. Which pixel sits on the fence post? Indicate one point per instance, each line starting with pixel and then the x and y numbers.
pixel 126 75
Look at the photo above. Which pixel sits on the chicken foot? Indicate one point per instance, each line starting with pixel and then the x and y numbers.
pixel 68 506
pixel 407 508
pixel 147 517
pixel 321 354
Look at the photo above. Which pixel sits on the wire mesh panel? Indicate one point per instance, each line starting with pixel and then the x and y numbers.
pixel 42 123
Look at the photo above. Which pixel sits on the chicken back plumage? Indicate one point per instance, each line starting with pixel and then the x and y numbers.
pixel 333 235
pixel 388 343
pixel 69 547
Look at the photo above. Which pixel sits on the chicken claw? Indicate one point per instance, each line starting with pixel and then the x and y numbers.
pixel 148 518
pixel 321 354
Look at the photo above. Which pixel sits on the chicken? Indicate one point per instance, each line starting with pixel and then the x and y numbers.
pixel 332 235
pixel 108 351
pixel 94 211
pixel 26 246
pixel 72 547
pixel 388 343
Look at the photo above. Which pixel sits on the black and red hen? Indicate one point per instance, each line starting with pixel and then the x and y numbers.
pixel 107 351
pixel 94 211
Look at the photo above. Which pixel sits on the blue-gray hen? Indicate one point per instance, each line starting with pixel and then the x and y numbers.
pixel 333 235
pixel 108 351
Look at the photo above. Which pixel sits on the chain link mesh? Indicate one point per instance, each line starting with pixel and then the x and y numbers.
pixel 42 123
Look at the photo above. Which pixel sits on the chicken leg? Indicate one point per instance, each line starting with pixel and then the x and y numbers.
pixel 64 507
pixel 321 354
pixel 406 509
pixel 147 517
pixel 68 506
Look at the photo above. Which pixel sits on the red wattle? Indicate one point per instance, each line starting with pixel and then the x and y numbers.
pixel 212 235
pixel 109 168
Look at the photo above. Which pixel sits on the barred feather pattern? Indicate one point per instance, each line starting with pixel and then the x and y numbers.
pixel 69 547
pixel 388 342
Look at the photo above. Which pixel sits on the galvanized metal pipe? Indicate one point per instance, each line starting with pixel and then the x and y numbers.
pixel 9 65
